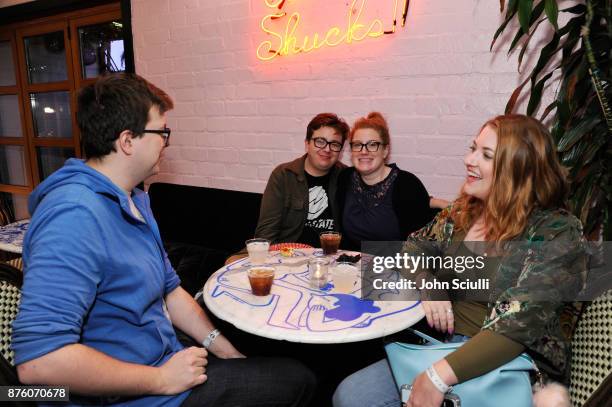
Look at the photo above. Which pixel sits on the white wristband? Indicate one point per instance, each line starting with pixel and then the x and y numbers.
pixel 208 341
pixel 437 380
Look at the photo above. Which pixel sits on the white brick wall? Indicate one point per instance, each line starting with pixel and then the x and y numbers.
pixel 237 117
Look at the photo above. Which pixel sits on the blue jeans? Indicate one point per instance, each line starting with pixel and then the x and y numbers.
pixel 373 386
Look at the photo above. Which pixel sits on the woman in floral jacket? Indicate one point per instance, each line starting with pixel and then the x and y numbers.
pixel 511 201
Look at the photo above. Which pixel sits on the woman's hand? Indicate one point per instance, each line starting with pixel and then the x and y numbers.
pixel 440 315
pixel 438 203
pixel 424 393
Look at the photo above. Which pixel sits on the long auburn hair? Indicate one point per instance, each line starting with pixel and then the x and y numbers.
pixel 526 175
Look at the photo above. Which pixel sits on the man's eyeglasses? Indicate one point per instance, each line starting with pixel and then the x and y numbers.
pixel 165 133
pixel 371 146
pixel 321 143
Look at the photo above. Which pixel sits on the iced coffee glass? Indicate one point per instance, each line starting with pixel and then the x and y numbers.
pixel 330 242
pixel 261 279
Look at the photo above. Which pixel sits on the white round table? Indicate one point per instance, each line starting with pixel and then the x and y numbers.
pixel 298 313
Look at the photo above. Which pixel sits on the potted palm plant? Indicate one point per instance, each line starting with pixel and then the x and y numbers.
pixel 578 53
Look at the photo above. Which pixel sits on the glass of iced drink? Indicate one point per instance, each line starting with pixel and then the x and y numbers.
pixel 261 279
pixel 344 275
pixel 330 242
pixel 258 250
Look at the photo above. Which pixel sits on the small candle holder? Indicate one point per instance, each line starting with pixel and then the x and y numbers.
pixel 318 272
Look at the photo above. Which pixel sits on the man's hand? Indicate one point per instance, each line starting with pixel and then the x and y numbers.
pixel 235 354
pixel 223 349
pixel 190 318
pixel 183 370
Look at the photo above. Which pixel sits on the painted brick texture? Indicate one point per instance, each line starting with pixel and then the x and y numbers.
pixel 236 117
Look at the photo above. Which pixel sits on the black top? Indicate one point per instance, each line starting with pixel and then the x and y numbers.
pixel 409 203
pixel 368 210
pixel 319 217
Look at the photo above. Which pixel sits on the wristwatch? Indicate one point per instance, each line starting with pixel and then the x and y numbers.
pixel 208 341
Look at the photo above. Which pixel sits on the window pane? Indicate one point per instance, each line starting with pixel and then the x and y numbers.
pixel 101 49
pixel 51 159
pixel 14 206
pixel 46 58
pixel 51 114
pixel 7 70
pixel 10 123
pixel 12 165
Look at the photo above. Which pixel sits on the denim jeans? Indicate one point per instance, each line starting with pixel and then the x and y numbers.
pixel 374 385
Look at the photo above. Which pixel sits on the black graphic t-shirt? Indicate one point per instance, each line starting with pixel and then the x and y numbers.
pixel 319 217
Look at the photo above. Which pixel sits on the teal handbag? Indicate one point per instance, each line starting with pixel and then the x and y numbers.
pixel 507 386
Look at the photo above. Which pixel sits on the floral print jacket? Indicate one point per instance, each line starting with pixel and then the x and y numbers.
pixel 537 279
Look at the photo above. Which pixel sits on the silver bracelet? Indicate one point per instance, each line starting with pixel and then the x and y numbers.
pixel 437 380
pixel 208 341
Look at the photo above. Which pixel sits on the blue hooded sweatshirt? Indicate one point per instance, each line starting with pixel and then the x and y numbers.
pixel 96 275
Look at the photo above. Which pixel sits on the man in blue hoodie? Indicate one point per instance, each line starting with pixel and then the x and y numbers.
pixel 100 297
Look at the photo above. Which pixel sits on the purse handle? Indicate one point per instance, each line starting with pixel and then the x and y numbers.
pixel 425 337
pixel 433 341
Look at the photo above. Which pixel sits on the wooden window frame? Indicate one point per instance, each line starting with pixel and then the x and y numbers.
pixel 9 35
pixel 68 23
pixel 29 88
pixel 74 32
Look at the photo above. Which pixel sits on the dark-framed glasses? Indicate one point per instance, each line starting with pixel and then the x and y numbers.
pixel 165 133
pixel 321 143
pixel 371 146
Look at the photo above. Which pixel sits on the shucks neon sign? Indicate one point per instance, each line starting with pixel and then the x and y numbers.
pixel 286 42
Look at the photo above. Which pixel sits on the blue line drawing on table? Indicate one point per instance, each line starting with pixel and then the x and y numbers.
pixel 294 305
pixel 321 318
pixel 350 308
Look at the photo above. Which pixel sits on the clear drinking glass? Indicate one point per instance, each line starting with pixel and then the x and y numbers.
pixel 258 250
pixel 344 275
pixel 261 279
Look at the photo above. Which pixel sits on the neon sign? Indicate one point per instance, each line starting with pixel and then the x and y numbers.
pixel 285 41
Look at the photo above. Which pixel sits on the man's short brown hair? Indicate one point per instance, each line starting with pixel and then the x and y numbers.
pixel 114 103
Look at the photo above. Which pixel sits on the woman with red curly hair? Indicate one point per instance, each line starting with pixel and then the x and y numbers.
pixel 377 201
